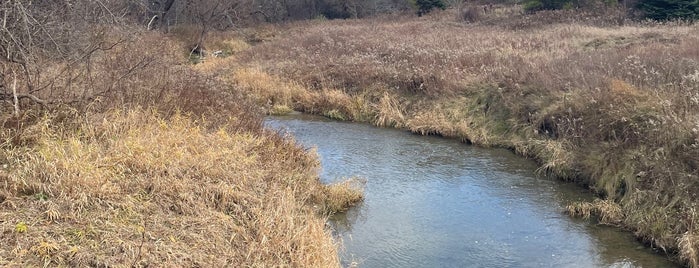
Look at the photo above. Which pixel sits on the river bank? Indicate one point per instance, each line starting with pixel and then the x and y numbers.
pixel 155 163
pixel 611 107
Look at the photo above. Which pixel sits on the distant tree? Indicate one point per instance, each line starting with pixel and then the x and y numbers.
pixel 209 15
pixel 425 6
pixel 536 5
pixel 670 9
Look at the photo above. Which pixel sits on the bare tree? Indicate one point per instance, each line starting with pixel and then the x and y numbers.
pixel 158 11
pixel 213 14
pixel 37 34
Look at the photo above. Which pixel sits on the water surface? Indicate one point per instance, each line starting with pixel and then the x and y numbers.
pixel 433 202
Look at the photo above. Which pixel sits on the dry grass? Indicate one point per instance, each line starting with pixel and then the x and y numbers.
pixel 606 211
pixel 193 180
pixel 389 112
pixel 607 102
pixel 137 188
pixel 343 195
pixel 689 248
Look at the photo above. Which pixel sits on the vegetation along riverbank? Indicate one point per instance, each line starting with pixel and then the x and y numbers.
pixel 117 151
pixel 132 130
pixel 611 105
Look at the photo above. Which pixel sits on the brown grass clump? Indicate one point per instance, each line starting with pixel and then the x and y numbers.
pixel 606 211
pixel 267 89
pixel 689 248
pixel 389 112
pixel 138 188
pixel 343 195
pixel 431 122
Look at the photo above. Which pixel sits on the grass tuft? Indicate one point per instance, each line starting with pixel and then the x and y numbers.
pixel 606 211
pixel 343 195
pixel 689 249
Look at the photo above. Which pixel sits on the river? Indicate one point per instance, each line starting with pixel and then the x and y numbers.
pixel 434 202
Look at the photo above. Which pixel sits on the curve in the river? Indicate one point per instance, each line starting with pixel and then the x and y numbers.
pixel 432 202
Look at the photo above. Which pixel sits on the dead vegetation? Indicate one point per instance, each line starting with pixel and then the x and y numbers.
pixel 141 188
pixel 147 160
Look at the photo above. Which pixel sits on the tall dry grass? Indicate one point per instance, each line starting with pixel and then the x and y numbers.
pixel 138 188
pixel 149 161
pixel 611 104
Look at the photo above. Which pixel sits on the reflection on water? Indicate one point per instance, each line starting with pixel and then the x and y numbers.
pixel 433 202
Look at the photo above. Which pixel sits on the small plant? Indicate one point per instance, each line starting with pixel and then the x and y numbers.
pixel 336 115
pixel 343 195
pixel 41 196
pixel 280 109
pixel 21 227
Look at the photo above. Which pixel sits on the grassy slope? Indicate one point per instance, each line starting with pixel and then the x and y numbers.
pixel 615 107
pixel 193 180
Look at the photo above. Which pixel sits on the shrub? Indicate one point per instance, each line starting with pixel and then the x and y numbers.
pixel 670 9
pixel 471 13
pixel 536 5
pixel 425 6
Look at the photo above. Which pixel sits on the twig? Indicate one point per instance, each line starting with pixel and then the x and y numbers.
pixel 151 22
pixel 14 93
pixel 140 247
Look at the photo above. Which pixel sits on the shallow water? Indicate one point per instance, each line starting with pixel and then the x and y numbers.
pixel 433 202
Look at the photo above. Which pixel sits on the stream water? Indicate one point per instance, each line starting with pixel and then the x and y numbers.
pixel 434 202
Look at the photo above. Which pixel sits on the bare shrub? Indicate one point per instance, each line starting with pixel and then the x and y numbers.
pixel 471 13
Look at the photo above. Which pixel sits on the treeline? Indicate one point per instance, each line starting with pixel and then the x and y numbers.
pixel 225 13
pixel 660 10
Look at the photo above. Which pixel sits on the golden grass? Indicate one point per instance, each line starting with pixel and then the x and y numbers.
pixel 606 211
pixel 389 112
pixel 137 188
pixel 266 88
pixel 343 195
pixel 431 122
pixel 280 109
pixel 689 248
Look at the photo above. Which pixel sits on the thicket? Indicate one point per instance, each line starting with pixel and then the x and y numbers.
pixel 425 6
pixel 660 10
pixel 670 9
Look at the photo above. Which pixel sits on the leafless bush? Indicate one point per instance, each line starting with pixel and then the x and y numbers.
pixel 471 13
pixel 49 43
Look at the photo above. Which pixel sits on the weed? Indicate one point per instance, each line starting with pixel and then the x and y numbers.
pixel 21 227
